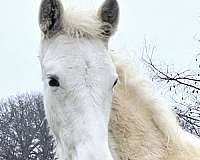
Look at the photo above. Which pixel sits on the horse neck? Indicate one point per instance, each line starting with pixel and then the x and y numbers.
pixel 137 122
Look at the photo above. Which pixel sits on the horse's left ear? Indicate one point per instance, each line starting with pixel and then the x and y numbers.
pixel 51 17
pixel 109 15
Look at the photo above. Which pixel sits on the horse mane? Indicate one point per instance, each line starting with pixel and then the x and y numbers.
pixel 142 125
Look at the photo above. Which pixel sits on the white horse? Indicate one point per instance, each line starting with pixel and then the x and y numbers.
pixel 80 91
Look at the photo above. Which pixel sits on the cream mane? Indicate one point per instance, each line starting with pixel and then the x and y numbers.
pixel 141 126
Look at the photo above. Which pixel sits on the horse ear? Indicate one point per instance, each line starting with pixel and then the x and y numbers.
pixel 109 15
pixel 51 17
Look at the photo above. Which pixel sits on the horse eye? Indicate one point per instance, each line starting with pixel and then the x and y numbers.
pixel 115 82
pixel 53 82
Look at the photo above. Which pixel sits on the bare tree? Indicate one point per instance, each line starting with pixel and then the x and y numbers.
pixel 183 87
pixel 24 132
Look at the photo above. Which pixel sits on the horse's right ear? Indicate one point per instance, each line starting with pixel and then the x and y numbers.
pixel 51 17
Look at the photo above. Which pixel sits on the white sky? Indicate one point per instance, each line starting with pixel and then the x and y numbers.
pixel 172 25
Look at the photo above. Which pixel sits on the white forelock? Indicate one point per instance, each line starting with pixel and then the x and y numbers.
pixel 83 23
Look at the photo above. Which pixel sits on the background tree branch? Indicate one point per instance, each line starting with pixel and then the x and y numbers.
pixel 182 88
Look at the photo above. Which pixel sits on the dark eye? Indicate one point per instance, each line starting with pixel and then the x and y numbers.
pixel 115 82
pixel 53 82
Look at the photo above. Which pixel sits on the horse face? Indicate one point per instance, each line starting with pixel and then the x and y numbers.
pixel 78 76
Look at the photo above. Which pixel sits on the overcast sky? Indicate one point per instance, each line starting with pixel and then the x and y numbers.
pixel 173 26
